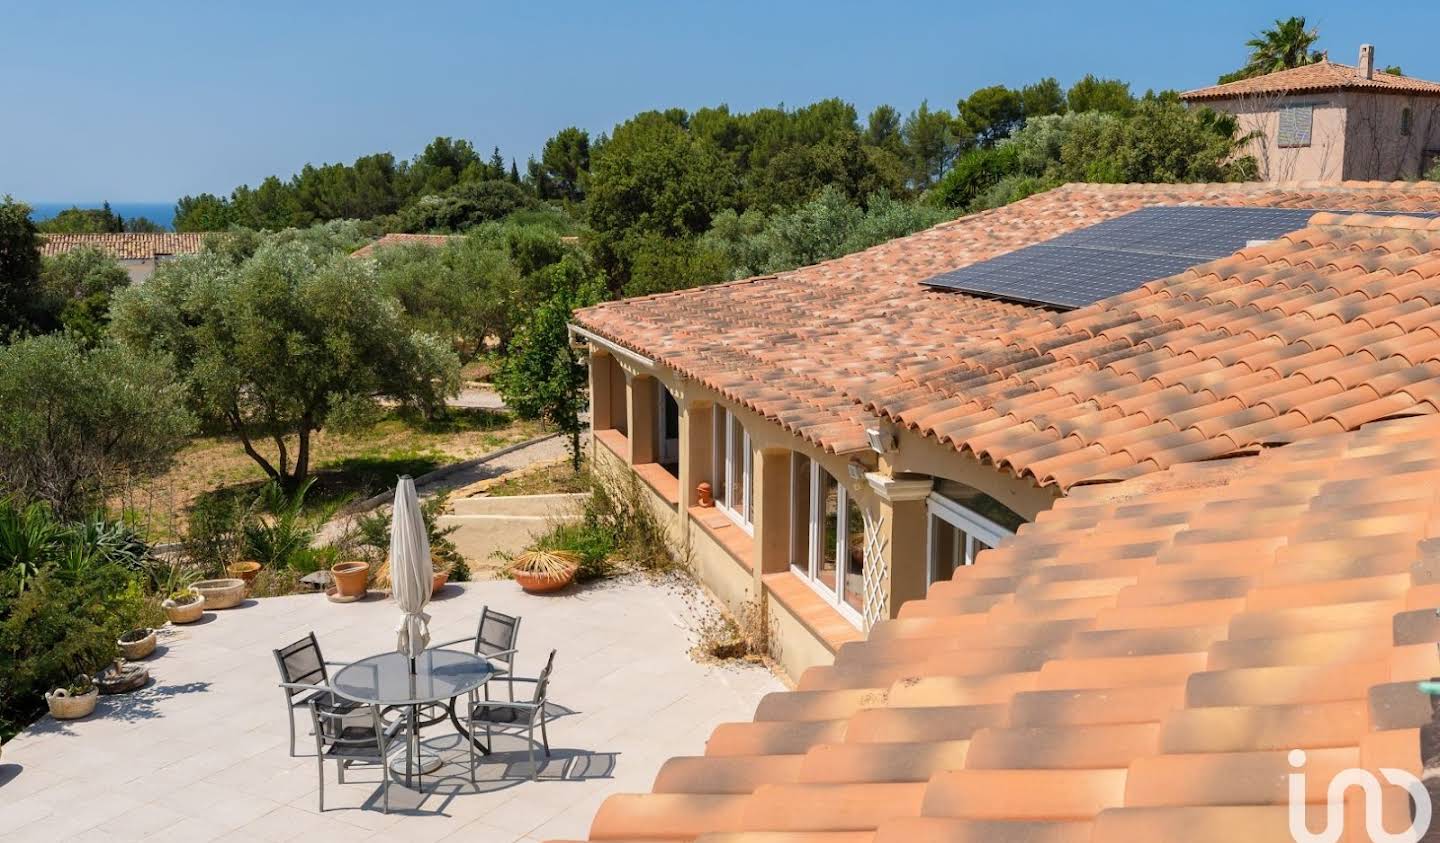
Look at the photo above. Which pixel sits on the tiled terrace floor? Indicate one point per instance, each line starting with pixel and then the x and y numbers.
pixel 201 753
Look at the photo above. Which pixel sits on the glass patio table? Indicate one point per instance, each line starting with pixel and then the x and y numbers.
pixel 438 678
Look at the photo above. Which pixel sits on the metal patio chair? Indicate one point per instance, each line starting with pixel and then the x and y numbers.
pixel 339 738
pixel 304 679
pixel 522 716
pixel 495 639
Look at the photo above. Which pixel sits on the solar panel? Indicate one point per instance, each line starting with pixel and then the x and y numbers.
pixel 1112 257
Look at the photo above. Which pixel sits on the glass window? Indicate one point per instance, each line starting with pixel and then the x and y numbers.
pixel 963 522
pixel 978 502
pixel 947 548
pixel 733 470
pixel 827 537
pixel 720 427
pixel 800 513
pixel 829 529
pixel 852 550
pixel 1405 121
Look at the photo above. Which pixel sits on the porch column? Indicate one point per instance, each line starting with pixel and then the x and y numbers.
pixel 697 462
pixel 601 390
pixel 772 509
pixel 642 408
pixel 901 524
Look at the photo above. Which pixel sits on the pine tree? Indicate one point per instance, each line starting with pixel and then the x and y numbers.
pixel 497 164
pixel 514 172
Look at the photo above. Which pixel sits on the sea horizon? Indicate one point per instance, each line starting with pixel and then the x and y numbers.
pixel 160 213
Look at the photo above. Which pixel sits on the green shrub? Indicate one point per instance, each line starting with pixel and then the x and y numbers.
pixel 617 532
pixel 591 542
pixel 973 174
pixel 67 591
pixel 371 536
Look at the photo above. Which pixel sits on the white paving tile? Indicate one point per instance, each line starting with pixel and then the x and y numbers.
pixel 202 753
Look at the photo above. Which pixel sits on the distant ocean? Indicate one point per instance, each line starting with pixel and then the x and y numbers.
pixel 162 213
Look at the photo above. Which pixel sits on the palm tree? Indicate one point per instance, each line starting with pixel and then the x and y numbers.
pixel 1286 46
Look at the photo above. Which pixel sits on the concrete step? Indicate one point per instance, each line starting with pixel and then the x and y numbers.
pixel 521 505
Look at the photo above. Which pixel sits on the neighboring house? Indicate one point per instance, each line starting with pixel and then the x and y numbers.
pixel 1221 483
pixel 139 253
pixel 390 240
pixel 1331 121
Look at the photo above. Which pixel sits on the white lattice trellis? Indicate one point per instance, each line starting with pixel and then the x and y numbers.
pixel 877 573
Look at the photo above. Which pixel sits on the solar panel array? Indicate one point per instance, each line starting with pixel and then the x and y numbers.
pixel 1112 257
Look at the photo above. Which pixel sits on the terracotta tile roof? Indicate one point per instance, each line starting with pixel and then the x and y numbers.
pixel 400 240
pixel 1320 76
pixel 125 246
pixel 1135 665
pixel 1130 384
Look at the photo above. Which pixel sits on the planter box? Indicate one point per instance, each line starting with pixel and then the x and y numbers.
pixel 179 613
pixel 221 594
pixel 65 707
pixel 541 584
pixel 137 644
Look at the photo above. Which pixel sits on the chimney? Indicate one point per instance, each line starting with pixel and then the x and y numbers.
pixel 1367 61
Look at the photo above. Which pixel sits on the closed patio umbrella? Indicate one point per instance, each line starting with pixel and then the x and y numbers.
pixel 410 585
pixel 410 574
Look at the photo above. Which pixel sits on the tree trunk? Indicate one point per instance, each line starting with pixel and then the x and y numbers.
pixel 302 456
pixel 255 455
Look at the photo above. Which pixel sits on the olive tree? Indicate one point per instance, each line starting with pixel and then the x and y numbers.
pixel 76 423
pixel 77 287
pixel 275 348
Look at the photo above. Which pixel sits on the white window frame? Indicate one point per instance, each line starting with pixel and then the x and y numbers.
pixel 975 526
pixel 808 570
pixel 735 502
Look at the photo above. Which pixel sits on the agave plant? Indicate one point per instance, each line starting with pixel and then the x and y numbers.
pixel 30 536
pixel 545 563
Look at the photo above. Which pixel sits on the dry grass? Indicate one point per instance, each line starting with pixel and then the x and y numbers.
pixel 721 636
pixel 347 464
pixel 546 479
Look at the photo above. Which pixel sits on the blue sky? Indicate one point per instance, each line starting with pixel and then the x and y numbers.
pixel 146 101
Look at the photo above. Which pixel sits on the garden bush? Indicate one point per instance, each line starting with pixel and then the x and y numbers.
pixel 67 592
pixel 616 532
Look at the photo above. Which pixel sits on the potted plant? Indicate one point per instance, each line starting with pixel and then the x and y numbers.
pixel 441 570
pixel 73 701
pixel 223 593
pixel 137 643
pixel 246 570
pixel 350 578
pixel 184 605
pixel 542 571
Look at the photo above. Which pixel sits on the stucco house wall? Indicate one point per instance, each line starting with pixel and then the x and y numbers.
pixel 1376 148
pixel 1259 116
pixel 750 572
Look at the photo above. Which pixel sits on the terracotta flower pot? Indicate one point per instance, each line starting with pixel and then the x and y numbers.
pixel 63 706
pixel 137 644
pixel 350 578
pixel 541 583
pixel 441 577
pixel 704 495
pixel 187 612
pixel 246 571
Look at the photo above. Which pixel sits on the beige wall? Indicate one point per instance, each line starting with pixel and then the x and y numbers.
pixel 1354 135
pixel 1259 115
pixel 887 491
pixel 1374 146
